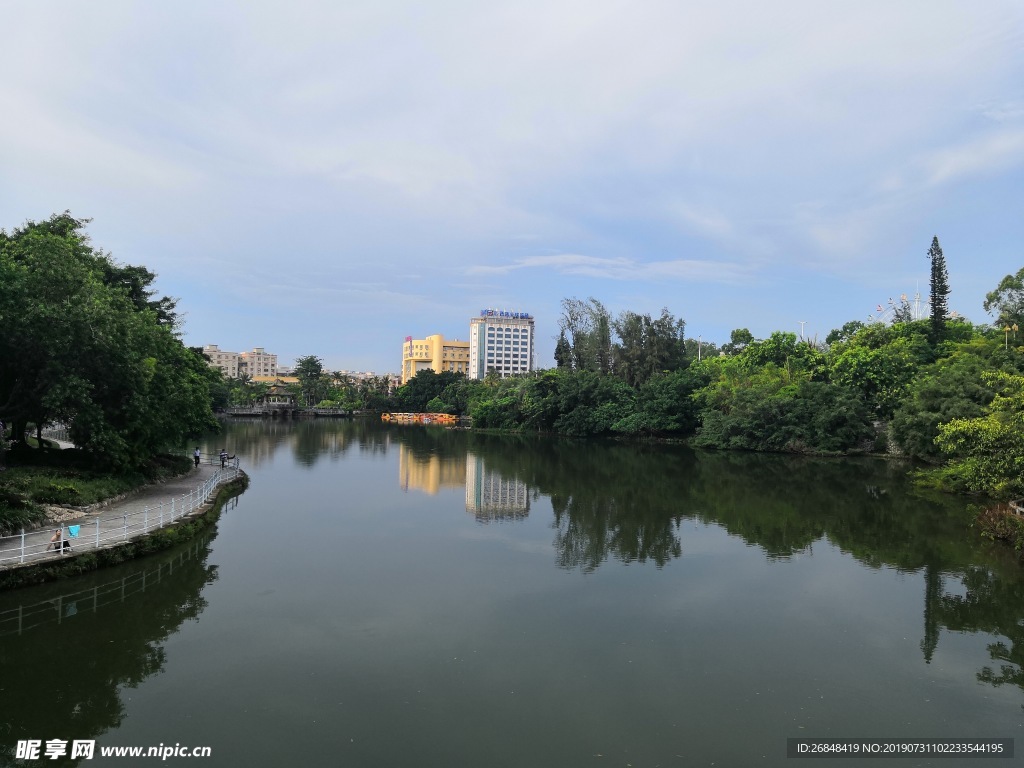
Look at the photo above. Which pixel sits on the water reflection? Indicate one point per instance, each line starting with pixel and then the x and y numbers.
pixel 492 496
pixel 993 603
pixel 258 441
pixel 660 599
pixel 630 503
pixel 100 633
pixel 429 472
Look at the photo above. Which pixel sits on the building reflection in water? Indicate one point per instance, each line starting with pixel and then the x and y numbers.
pixel 429 472
pixel 492 497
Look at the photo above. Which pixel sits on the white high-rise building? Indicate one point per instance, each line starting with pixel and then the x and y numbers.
pixel 502 342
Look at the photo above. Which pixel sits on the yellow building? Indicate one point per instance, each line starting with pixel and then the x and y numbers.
pixel 435 353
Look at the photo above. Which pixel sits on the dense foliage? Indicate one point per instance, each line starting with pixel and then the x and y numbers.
pixel 86 343
pixel 316 387
pixel 938 389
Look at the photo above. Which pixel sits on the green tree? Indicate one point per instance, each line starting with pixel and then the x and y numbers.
pixel 988 452
pixel 880 362
pixel 776 409
pixel 847 332
pixel 313 384
pixel 84 343
pixel 665 405
pixel 948 389
pixel 586 325
pixel 939 287
pixel 563 353
pixel 1006 302
pixel 647 346
pixel 425 386
pixel 738 340
pixel 374 393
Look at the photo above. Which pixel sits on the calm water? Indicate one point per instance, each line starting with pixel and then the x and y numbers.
pixel 403 596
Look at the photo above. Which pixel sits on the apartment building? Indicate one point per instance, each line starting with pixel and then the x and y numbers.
pixel 220 358
pixel 435 353
pixel 257 362
pixel 501 341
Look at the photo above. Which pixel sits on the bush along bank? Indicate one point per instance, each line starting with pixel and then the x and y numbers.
pixel 38 484
pixel 1002 523
pixel 157 541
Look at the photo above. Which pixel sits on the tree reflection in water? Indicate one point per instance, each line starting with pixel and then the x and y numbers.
pixel 109 627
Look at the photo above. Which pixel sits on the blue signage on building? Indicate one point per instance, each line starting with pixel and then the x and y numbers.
pixel 502 313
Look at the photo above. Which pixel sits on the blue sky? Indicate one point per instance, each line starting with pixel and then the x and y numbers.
pixel 327 178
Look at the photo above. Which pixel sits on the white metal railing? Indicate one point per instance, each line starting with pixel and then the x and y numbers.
pixel 66 606
pixel 110 530
pixel 56 432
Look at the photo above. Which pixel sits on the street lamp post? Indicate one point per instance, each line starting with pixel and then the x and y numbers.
pixel 802 324
pixel 698 347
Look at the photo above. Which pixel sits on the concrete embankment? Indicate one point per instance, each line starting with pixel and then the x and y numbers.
pixel 155 518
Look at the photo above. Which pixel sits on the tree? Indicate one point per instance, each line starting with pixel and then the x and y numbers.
pixel 587 325
pixel 880 362
pixel 1006 302
pixel 647 347
pixel 988 451
pixel 939 287
pixel 775 409
pixel 847 332
pixel 84 343
pixel 563 353
pixel 309 369
pixel 603 338
pixel 136 282
pixel 738 340
pixel 374 392
pixel 951 388
pixel 665 404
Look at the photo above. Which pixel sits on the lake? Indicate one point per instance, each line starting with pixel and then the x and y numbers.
pixel 415 596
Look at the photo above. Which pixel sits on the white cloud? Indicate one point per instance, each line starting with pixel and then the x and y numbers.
pixel 624 268
pixel 984 154
pixel 1004 112
pixel 344 140
pixel 707 222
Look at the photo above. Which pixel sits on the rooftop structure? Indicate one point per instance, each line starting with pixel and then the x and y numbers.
pixel 502 342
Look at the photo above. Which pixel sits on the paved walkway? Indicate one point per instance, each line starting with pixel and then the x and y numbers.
pixel 143 511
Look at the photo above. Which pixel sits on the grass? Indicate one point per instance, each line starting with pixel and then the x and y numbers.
pixel 153 542
pixel 35 477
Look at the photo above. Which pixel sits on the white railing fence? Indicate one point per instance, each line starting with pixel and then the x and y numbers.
pixel 111 529
pixel 54 432
pixel 69 605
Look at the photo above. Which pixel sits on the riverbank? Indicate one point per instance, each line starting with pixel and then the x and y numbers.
pixel 152 519
pixel 41 486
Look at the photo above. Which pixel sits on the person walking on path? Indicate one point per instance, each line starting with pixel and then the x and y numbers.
pixel 196 455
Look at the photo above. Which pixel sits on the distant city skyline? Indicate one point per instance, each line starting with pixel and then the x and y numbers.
pixel 331 178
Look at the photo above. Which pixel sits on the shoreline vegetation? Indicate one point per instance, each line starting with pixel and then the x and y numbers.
pixel 146 544
pixel 89 344
pixel 40 482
